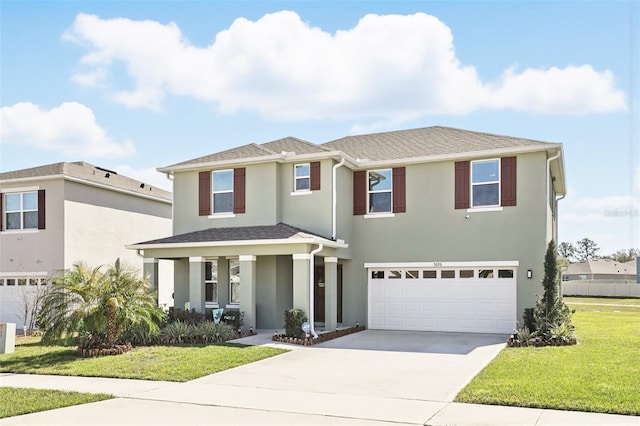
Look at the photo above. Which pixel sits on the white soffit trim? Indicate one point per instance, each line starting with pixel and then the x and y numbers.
pixel 19 189
pixel 247 258
pixel 301 256
pixel 196 259
pixel 330 259
pixel 23 274
pixel 481 264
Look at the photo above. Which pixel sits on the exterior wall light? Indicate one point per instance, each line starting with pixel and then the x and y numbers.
pixel 529 273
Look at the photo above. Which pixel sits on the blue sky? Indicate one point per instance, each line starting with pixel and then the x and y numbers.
pixel 135 85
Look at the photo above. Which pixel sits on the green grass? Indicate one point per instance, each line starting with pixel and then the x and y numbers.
pixel 17 401
pixel 171 363
pixel 600 374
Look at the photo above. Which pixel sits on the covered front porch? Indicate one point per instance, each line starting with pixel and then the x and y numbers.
pixel 260 271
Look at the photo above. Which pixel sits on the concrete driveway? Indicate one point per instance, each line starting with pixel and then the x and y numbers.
pixel 375 375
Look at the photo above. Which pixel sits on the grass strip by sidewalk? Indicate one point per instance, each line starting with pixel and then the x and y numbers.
pixel 170 363
pixel 17 401
pixel 600 374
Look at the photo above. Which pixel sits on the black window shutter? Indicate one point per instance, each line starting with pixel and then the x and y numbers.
pixel 399 190
pixel 359 192
pixel 462 184
pixel 239 190
pixel 42 209
pixel 508 187
pixel 314 176
pixel 204 193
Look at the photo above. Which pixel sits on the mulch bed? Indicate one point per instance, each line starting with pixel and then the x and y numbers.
pixel 539 343
pixel 324 336
pixel 114 350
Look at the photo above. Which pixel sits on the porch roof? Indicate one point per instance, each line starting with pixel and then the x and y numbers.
pixel 281 233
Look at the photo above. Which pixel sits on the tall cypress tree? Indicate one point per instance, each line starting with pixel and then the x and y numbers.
pixel 550 310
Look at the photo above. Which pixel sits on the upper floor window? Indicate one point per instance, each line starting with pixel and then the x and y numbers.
pixel 380 191
pixel 222 185
pixel 21 210
pixel 302 177
pixel 221 192
pixel 485 183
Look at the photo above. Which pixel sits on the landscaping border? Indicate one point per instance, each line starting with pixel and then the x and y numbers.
pixel 324 336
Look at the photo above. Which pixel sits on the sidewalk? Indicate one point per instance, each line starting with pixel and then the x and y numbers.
pixel 142 402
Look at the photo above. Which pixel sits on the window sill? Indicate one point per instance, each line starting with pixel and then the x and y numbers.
pixel 222 216
pixel 378 215
pixel 484 209
pixel 296 193
pixel 233 306
pixel 211 305
pixel 21 231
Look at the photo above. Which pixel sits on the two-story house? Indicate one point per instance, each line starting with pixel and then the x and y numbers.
pixel 56 215
pixel 425 229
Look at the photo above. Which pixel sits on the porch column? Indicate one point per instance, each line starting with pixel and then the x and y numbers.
pixel 223 282
pixel 248 290
pixel 301 271
pixel 150 272
pixel 196 283
pixel 330 293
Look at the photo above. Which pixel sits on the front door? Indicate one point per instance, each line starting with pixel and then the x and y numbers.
pixel 318 297
pixel 319 294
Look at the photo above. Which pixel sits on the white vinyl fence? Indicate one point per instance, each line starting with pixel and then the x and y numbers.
pixel 600 288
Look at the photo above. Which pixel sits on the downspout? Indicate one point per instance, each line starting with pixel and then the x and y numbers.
pixel 335 200
pixel 311 288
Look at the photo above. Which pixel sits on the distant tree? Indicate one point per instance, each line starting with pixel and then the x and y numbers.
pixel 567 250
pixel 623 255
pixel 586 249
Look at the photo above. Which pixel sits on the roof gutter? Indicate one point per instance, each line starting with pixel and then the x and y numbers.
pixel 549 160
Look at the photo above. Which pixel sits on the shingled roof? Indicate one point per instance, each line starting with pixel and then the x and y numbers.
pixel 89 173
pixel 387 146
pixel 281 231
pixel 252 150
pixel 426 142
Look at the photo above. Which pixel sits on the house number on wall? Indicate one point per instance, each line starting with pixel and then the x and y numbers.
pixel 437 264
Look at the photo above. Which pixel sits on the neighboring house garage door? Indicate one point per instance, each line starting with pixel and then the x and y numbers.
pixel 461 296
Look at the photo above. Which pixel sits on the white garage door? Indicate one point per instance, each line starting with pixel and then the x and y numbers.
pixel 478 298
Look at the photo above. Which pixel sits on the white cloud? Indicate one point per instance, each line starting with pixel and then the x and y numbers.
pixel 149 176
pixel 609 202
pixel 391 67
pixel 70 129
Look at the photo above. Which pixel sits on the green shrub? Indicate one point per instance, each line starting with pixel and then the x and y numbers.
pixel 210 332
pixel 234 318
pixel 293 320
pixel 189 317
pixel 177 332
pixel 528 319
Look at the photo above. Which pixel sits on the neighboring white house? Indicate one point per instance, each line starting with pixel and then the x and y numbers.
pixel 56 215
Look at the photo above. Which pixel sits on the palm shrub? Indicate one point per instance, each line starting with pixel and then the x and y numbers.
pixel 98 306
pixel 210 332
pixel 550 311
pixel 177 332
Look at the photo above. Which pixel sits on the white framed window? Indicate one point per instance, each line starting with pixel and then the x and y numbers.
pixel 234 282
pixel 302 177
pixel 485 183
pixel 222 191
pixel 21 210
pixel 211 282
pixel 380 191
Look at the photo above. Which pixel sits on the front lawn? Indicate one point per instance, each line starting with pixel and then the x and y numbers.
pixel 171 363
pixel 17 401
pixel 600 374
